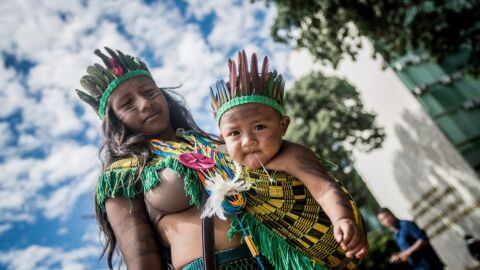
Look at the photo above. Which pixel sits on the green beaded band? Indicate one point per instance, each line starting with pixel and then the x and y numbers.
pixel 249 99
pixel 114 84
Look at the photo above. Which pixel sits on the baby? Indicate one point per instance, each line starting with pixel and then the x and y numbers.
pixel 250 113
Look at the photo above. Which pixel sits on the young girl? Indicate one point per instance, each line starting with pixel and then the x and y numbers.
pixel 250 113
pixel 150 222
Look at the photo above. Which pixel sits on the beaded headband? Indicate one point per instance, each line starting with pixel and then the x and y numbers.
pixel 100 82
pixel 247 87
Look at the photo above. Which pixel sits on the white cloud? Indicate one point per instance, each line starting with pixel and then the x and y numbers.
pixel 44 257
pixel 12 216
pixel 62 231
pixel 5 227
pixel 199 9
pixel 157 26
pixel 6 134
pixel 62 201
pixel 46 171
pixel 10 200
pixel 53 116
pixel 91 234
pixel 12 94
pixel 60 57
pixel 230 27
pixel 195 65
pixel 26 178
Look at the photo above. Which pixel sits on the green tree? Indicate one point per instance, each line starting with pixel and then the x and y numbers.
pixel 331 29
pixel 327 115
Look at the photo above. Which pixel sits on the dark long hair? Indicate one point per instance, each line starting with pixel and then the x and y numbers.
pixel 120 143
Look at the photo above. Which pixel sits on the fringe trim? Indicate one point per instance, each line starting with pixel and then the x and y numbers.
pixel 116 182
pixel 120 182
pixel 275 249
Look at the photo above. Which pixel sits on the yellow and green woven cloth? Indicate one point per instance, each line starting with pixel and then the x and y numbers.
pixel 288 225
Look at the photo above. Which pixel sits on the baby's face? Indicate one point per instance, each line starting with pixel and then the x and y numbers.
pixel 253 133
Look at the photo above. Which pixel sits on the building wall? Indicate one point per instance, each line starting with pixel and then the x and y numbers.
pixel 417 173
pixel 449 97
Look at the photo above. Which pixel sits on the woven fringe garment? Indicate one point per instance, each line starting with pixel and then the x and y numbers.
pixel 289 227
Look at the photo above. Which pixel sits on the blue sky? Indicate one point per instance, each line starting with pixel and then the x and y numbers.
pixel 49 139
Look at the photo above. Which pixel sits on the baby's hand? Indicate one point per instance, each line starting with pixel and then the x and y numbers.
pixel 350 237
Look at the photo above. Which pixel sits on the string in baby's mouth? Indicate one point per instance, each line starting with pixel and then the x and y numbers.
pixel 263 167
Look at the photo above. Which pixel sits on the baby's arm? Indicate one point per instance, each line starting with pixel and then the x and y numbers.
pixel 301 162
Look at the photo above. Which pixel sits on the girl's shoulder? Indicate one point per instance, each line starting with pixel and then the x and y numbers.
pixel 129 164
pixel 122 164
pixel 120 180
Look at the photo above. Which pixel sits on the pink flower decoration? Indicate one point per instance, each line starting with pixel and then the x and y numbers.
pixel 116 68
pixel 117 71
pixel 196 161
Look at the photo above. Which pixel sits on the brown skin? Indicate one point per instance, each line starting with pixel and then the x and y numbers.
pixel 389 220
pixel 140 105
pixel 135 236
pixel 253 136
pixel 253 132
pixel 181 230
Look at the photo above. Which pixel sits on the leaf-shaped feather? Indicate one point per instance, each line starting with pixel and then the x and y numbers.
pixel 113 54
pixel 221 93
pixel 123 60
pixel 106 73
pixel 224 87
pixel 233 77
pixel 131 63
pixel 90 86
pixel 243 73
pixel 103 57
pixel 254 74
pixel 264 74
pixel 88 99
pixel 281 98
pixel 270 82
pixel 213 100
pixel 142 65
pixel 97 76
pixel 276 87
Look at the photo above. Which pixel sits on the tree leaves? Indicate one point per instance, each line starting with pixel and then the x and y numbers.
pixel 327 115
pixel 331 30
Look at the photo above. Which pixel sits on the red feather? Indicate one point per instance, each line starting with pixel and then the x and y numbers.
pixel 264 73
pixel 254 74
pixel 233 77
pixel 243 72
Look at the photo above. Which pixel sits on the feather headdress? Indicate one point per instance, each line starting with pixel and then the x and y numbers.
pixel 247 86
pixel 100 81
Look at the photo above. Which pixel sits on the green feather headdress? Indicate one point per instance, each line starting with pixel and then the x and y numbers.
pixel 252 86
pixel 101 81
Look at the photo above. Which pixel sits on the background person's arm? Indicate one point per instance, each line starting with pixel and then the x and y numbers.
pixel 412 249
pixel 134 233
pixel 417 233
pixel 404 255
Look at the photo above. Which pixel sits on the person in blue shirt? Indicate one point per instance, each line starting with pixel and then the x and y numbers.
pixel 412 242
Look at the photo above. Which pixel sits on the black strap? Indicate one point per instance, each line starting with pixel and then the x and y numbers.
pixel 208 239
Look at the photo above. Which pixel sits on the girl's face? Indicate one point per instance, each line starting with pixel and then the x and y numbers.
pixel 141 106
pixel 253 132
